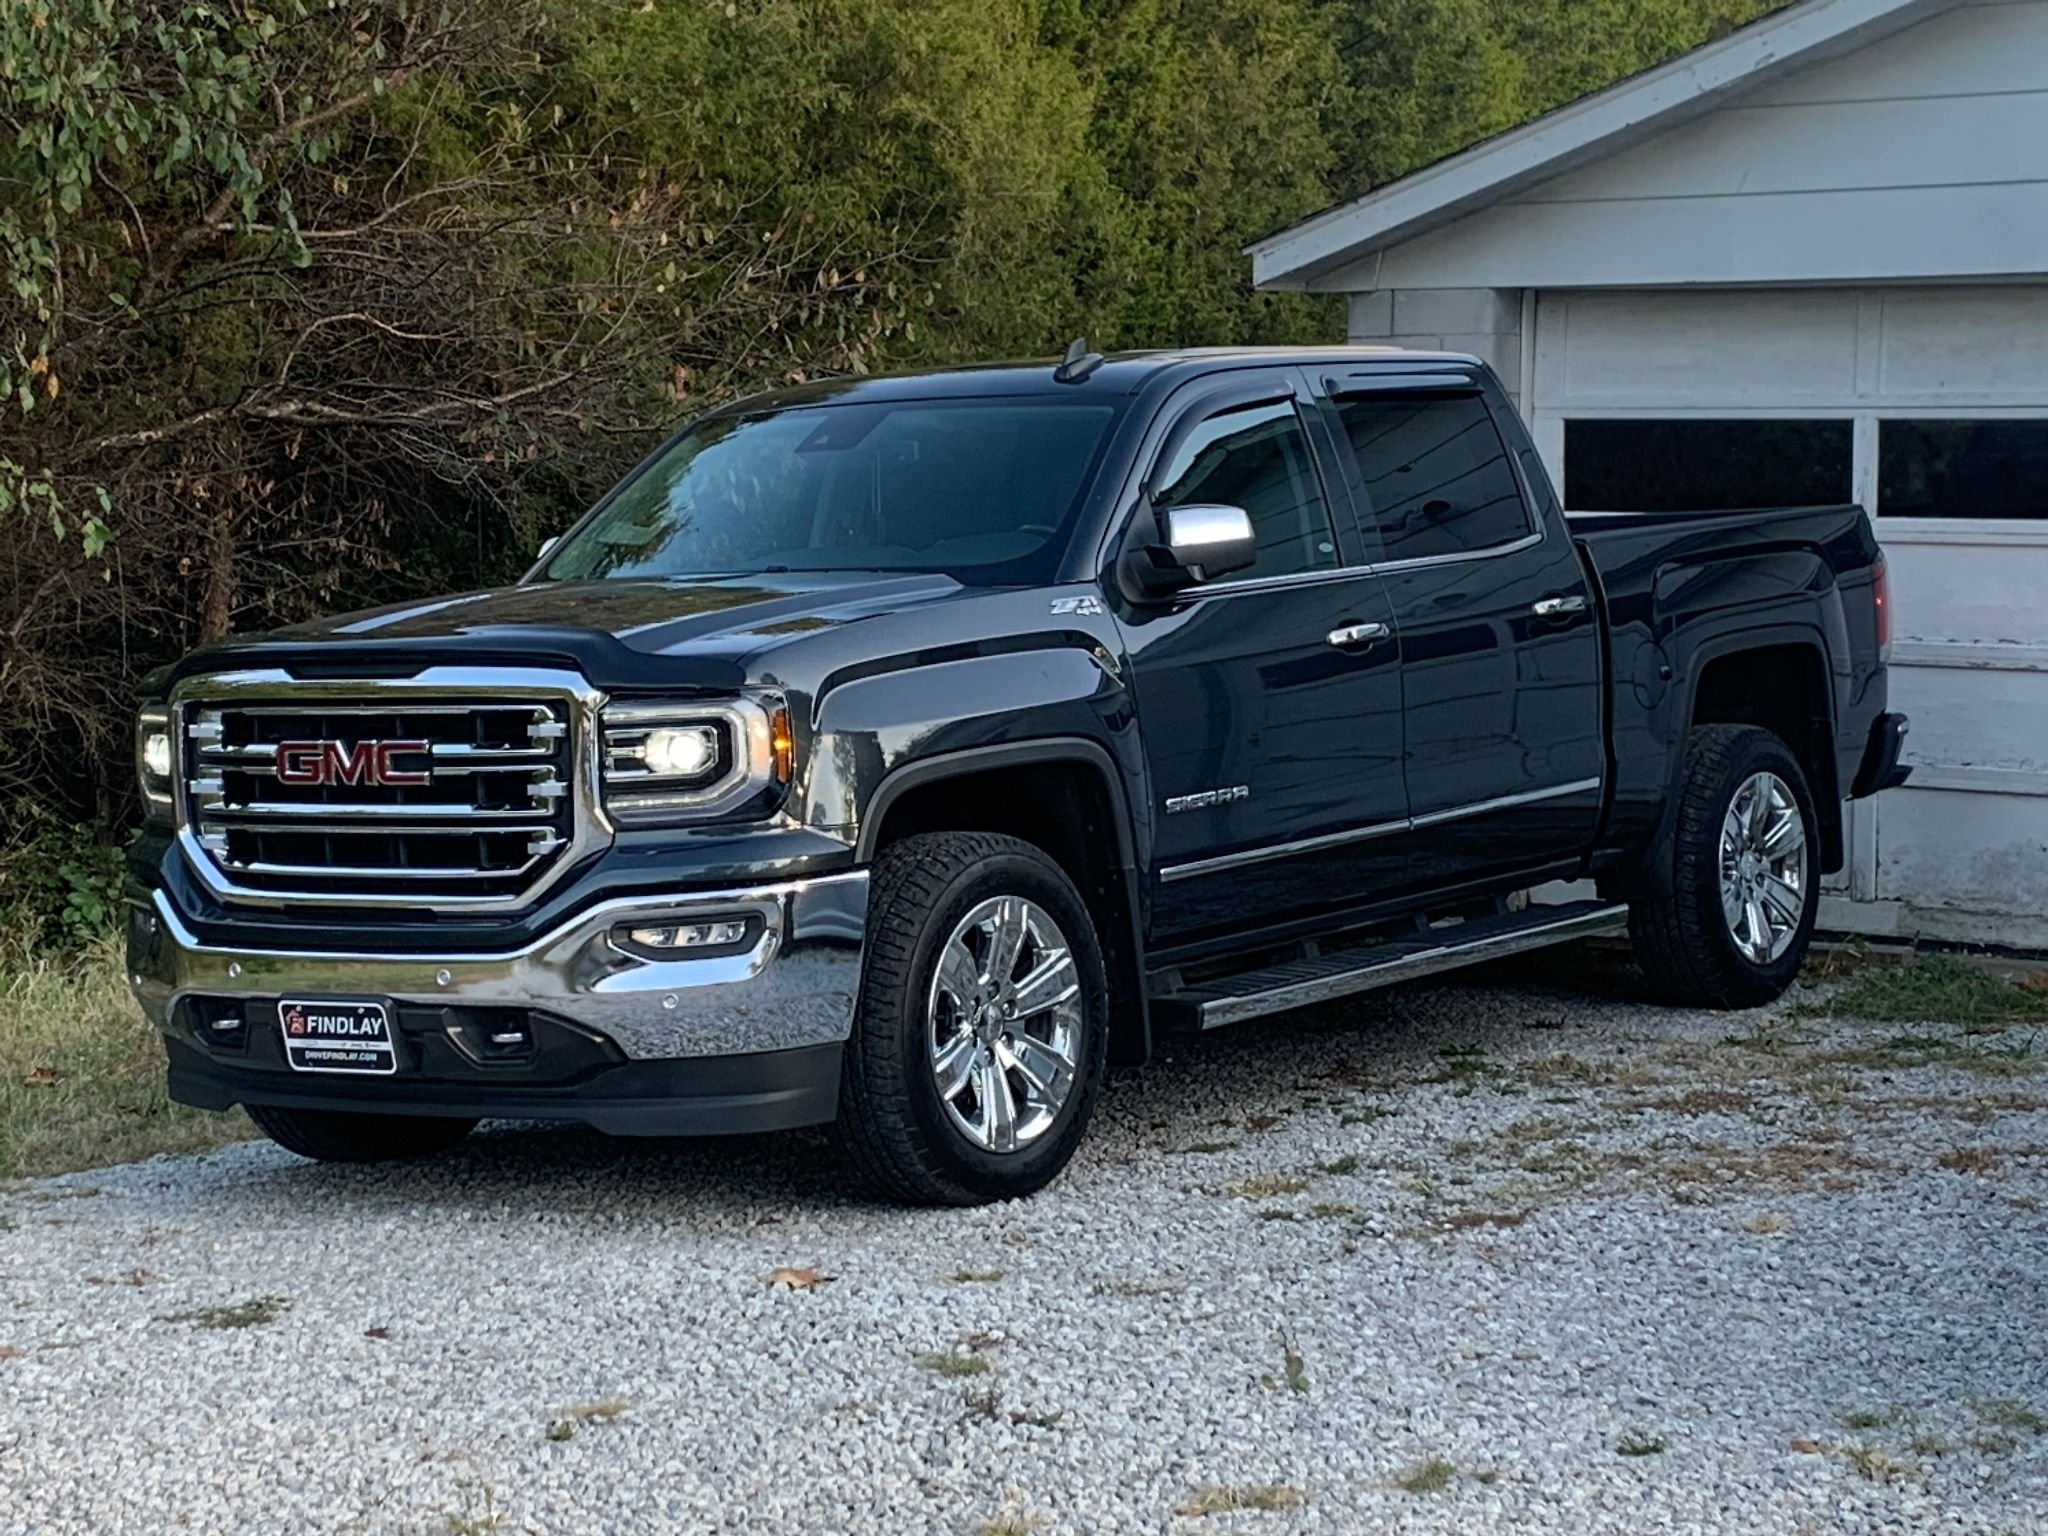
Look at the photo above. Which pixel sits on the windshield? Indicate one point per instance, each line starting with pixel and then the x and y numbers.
pixel 984 490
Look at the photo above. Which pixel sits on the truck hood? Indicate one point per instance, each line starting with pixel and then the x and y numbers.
pixel 730 616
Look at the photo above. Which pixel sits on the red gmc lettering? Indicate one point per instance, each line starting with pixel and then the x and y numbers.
pixel 367 762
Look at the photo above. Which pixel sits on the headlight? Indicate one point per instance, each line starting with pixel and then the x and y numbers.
pixel 685 752
pixel 154 760
pixel 687 761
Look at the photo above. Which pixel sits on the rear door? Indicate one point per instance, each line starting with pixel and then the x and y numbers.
pixel 1499 634
pixel 1269 700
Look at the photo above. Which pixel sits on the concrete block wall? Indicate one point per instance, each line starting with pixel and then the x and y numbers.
pixel 1486 322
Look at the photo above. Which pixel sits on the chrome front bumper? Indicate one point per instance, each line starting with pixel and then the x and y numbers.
pixel 794 984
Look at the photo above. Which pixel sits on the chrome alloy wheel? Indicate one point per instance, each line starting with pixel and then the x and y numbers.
pixel 1763 867
pixel 1004 1023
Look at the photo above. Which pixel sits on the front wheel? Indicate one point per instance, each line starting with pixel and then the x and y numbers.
pixel 982 1031
pixel 1726 922
pixel 336 1136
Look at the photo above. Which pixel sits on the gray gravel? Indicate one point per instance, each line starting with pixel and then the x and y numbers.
pixel 1537 1225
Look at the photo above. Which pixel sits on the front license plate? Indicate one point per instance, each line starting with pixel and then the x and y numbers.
pixel 328 1036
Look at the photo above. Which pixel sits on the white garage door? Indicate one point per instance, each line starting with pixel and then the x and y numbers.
pixel 1930 407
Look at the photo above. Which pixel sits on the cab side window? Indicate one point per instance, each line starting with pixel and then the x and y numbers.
pixel 1256 458
pixel 1437 473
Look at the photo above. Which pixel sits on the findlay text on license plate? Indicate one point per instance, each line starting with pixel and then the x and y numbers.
pixel 326 1035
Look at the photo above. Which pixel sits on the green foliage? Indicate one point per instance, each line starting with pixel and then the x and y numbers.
pixel 59 886
pixel 1433 76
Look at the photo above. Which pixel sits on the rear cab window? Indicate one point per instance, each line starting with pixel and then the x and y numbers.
pixel 1436 474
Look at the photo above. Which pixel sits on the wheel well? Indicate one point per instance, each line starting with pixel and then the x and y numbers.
pixel 1066 808
pixel 1784 689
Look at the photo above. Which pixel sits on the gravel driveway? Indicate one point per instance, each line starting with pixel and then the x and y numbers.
pixel 1463 1259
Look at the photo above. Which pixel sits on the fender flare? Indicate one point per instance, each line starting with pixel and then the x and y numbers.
pixel 1007 754
pixel 1827 797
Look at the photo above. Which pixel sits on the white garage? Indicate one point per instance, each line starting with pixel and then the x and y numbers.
pixel 1808 263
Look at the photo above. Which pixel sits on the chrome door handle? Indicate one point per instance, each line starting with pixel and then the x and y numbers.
pixel 1558 607
pixel 1357 636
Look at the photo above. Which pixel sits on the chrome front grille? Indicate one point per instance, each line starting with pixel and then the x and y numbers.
pixel 480 802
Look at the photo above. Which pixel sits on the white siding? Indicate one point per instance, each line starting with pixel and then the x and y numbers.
pixel 1923 156
pixel 1962 852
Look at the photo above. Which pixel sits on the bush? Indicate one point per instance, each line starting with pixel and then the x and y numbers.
pixel 60 884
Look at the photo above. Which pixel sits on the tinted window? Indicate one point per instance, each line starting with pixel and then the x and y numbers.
pixel 1962 468
pixel 1437 473
pixel 1257 459
pixel 1704 466
pixel 985 490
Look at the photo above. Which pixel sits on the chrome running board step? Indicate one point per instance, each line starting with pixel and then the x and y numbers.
pixel 1299 983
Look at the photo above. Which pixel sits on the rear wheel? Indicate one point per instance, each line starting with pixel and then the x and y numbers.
pixel 1726 923
pixel 334 1136
pixel 982 1030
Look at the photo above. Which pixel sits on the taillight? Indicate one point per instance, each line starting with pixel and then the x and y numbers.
pixel 1881 594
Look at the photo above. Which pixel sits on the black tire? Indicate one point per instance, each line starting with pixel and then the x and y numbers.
pixel 333 1136
pixel 893 1126
pixel 1683 941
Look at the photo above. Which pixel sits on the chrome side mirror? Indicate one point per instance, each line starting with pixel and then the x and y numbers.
pixel 1196 544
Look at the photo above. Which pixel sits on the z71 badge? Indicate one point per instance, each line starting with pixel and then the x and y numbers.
pixel 1202 800
pixel 1087 606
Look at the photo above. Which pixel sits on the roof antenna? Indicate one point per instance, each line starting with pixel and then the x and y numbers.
pixel 1077 364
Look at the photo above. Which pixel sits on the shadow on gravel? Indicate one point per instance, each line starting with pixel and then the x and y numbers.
pixel 1383 1041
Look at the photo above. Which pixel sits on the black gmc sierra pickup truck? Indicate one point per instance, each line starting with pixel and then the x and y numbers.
pixel 900 752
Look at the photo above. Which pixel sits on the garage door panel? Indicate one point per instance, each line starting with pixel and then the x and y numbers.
pixel 1979 852
pixel 1981 594
pixel 1976 343
pixel 1966 717
pixel 1649 349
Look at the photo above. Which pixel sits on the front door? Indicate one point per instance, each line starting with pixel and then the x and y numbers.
pixel 1269 700
pixel 1500 636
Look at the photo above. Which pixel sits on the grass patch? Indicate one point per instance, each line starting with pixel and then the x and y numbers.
pixel 1633 1444
pixel 1877 1466
pixel 1433 1475
pixel 1869 1418
pixel 952 1365
pixel 252 1313
pixel 1136 1288
pixel 1459 1064
pixel 1982 1161
pixel 1011 1522
pixel 976 1276
pixel 478 1516
pixel 1228 1498
pixel 1341 1165
pixel 2008 1413
pixel 82 1072
pixel 1293 1371
pixel 1933 989
pixel 1267 1186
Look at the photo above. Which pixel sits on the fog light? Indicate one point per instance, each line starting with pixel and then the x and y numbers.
pixel 676 936
pixel 681 752
pixel 156 754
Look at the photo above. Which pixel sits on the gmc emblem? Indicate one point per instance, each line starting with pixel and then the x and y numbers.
pixel 367 762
